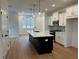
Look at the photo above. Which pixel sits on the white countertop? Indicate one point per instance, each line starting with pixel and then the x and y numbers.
pixel 40 34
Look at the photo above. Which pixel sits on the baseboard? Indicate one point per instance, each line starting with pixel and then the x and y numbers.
pixel 59 43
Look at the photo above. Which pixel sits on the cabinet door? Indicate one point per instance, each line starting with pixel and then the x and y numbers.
pixel 62 19
pixel 5 47
pixel 75 10
pixel 60 37
pixel 69 12
pixel 50 20
pixel 72 11
pixel 55 16
pixel 1 48
pixel 4 24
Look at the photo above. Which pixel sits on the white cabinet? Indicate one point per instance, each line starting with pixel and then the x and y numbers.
pixel 55 16
pixel 4 47
pixel 60 37
pixel 4 41
pixel 72 11
pixel 50 20
pixel 62 19
pixel 4 23
pixel 1 50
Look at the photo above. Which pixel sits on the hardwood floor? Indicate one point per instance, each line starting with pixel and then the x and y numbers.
pixel 22 49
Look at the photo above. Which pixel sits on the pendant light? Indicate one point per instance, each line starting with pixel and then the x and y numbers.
pixel 33 10
pixel 39 8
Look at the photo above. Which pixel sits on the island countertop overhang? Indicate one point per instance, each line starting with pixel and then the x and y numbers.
pixel 40 34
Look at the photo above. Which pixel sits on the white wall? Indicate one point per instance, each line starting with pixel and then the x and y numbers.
pixel 13 23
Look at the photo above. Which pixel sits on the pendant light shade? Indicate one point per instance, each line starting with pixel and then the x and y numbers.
pixel 39 13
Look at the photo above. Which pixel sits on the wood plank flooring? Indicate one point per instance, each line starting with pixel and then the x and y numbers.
pixel 22 49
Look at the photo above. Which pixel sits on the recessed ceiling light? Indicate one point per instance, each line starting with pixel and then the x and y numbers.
pixel 53 5
pixel 46 9
pixel 39 13
pixel 65 0
pixel 49 0
pixel 10 6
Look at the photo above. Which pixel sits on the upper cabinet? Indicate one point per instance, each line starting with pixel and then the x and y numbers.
pixel 50 20
pixel 55 16
pixel 63 14
pixel 72 11
pixel 62 18
pixel 4 19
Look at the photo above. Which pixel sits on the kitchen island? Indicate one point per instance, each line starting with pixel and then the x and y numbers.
pixel 43 42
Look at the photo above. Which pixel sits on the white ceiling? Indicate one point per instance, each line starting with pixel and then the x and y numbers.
pixel 26 5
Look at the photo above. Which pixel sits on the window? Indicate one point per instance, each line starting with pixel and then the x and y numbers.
pixel 28 22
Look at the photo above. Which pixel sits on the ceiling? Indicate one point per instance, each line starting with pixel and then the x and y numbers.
pixel 27 5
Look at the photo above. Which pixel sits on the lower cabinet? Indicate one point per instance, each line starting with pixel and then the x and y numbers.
pixel 4 47
pixel 60 37
pixel 42 44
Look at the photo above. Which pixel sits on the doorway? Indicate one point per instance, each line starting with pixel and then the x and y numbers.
pixel 72 32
